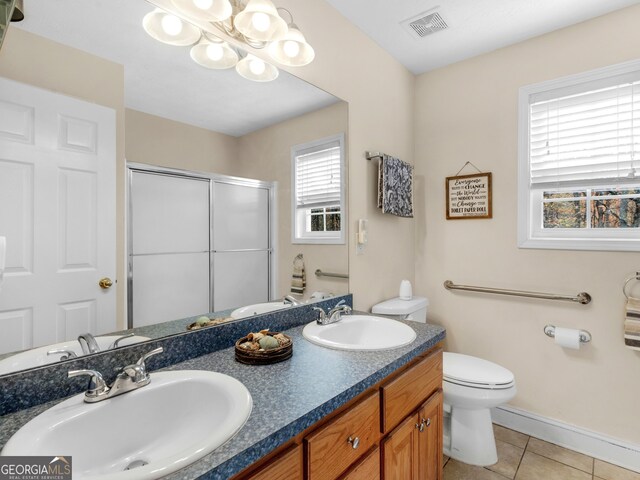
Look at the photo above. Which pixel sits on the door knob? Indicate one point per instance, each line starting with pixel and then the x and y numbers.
pixel 105 283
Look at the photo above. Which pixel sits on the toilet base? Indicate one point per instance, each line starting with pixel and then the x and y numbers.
pixel 468 436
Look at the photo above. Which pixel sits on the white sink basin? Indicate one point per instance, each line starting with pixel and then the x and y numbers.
pixel 258 308
pixel 360 332
pixel 177 419
pixel 38 357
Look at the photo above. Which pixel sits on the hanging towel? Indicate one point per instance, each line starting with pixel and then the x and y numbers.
pixel 395 186
pixel 632 324
pixel 299 277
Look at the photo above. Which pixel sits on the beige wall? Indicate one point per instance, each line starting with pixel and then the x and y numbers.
pixel 380 94
pixel 468 111
pixel 266 155
pixel 40 62
pixel 166 143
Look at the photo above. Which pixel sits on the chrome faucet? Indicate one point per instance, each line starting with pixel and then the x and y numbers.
pixel 288 299
pixel 117 341
pixel 88 343
pixel 130 378
pixel 334 315
pixel 64 354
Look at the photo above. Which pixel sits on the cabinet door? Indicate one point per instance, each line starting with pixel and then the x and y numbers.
pixel 430 439
pixel 366 469
pixel 287 466
pixel 400 451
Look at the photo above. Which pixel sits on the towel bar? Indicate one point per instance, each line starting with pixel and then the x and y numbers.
pixel 626 282
pixel 320 273
pixel 582 297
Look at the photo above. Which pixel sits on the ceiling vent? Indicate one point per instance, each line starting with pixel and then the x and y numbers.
pixel 425 24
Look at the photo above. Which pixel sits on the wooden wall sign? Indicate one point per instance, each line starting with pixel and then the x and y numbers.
pixel 469 196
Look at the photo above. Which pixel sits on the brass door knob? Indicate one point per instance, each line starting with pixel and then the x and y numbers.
pixel 105 283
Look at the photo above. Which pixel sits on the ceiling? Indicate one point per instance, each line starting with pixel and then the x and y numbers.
pixel 474 26
pixel 163 80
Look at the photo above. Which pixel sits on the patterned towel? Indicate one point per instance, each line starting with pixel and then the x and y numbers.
pixel 299 277
pixel 632 324
pixel 395 187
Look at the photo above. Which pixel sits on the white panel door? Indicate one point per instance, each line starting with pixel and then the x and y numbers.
pixel 57 210
pixel 169 247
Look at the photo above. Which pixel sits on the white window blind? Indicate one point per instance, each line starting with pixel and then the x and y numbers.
pixel 586 135
pixel 318 176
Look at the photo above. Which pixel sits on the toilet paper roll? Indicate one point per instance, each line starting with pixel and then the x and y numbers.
pixel 567 337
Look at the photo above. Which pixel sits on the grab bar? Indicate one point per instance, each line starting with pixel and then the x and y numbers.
pixel 320 273
pixel 582 297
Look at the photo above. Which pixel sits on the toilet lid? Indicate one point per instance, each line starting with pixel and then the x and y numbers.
pixel 474 372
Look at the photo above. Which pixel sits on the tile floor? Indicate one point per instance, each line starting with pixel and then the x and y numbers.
pixel 521 457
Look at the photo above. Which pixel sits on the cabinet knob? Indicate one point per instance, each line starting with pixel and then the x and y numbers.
pixel 355 442
pixel 420 426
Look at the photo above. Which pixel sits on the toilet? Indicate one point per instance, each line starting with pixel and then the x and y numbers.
pixel 472 387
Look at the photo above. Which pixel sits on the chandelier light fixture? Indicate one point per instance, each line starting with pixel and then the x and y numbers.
pixel 256 23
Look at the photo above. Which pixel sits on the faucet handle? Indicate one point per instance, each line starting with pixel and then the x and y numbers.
pixel 146 356
pixel 321 315
pixel 97 386
pixel 117 341
pixel 66 354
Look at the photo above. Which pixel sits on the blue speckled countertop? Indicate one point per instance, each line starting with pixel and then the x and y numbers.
pixel 288 397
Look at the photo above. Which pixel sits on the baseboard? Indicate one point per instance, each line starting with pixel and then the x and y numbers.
pixel 590 443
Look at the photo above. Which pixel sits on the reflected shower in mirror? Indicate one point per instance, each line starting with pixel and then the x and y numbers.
pixel 114 97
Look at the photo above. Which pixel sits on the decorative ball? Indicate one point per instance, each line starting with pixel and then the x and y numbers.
pixel 202 321
pixel 268 343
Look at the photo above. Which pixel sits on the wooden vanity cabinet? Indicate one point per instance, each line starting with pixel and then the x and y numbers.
pixel 391 431
pixel 286 466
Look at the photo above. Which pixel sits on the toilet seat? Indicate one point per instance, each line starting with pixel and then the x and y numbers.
pixel 468 371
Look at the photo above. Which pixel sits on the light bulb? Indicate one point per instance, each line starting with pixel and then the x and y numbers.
pixel 203 4
pixel 215 51
pixel 257 66
pixel 261 21
pixel 171 25
pixel 291 48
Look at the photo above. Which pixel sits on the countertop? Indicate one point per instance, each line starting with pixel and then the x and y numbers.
pixel 288 397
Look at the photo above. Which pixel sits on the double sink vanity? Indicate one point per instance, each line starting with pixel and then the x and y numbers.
pixel 360 398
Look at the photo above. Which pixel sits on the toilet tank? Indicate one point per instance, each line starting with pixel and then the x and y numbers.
pixel 414 309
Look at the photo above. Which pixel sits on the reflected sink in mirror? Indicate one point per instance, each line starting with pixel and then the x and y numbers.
pixel 258 309
pixel 361 333
pixel 39 357
pixel 178 418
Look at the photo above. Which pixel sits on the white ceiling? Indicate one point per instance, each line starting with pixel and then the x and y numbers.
pixel 162 79
pixel 475 26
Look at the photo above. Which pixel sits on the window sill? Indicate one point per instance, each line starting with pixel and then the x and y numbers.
pixel 600 244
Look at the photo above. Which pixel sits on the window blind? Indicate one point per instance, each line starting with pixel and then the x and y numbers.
pixel 585 138
pixel 318 176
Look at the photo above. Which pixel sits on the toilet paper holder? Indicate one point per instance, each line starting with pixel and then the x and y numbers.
pixel 550 331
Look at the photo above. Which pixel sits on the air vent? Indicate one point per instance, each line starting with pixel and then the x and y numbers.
pixel 425 24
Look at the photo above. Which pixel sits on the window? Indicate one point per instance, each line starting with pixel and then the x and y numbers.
pixel 318 191
pixel 579 161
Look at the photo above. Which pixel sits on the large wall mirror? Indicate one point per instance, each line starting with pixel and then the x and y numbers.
pixel 173 119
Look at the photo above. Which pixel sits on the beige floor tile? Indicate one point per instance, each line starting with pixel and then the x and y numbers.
pixel 535 467
pixel 606 471
pixel 509 457
pixel 461 471
pixel 510 436
pixel 560 454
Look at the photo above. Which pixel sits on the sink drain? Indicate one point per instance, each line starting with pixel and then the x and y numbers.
pixel 136 464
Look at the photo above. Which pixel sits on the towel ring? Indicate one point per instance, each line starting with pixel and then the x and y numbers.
pixel 626 282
